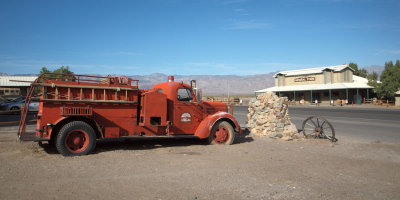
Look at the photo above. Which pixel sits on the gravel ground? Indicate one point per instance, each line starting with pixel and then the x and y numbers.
pixel 253 168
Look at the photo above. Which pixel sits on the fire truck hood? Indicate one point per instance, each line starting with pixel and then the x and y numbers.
pixel 214 107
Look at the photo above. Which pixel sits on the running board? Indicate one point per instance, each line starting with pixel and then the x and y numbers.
pixel 31 136
pixel 162 136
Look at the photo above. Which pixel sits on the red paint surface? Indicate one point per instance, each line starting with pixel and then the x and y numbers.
pixel 117 119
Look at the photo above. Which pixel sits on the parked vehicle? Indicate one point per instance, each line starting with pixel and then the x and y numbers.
pixel 75 112
pixel 17 103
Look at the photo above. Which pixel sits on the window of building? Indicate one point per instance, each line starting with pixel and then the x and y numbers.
pixel 347 76
pixel 184 94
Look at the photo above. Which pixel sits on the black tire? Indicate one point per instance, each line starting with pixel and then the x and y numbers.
pixel 318 127
pixel 75 138
pixel 224 128
pixel 14 108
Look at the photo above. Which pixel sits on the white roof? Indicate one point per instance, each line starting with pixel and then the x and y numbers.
pixel 358 82
pixel 318 70
pixel 16 81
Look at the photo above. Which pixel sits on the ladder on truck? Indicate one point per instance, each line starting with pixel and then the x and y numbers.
pixel 61 86
pixel 25 110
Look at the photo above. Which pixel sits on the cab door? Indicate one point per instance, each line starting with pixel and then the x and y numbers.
pixel 187 112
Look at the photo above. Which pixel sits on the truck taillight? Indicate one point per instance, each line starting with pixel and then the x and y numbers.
pixel 171 78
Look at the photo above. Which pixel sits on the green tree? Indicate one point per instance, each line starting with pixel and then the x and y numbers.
pixel 373 80
pixel 63 73
pixel 358 72
pixel 390 79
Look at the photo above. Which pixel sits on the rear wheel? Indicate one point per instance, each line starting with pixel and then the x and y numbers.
pixel 14 108
pixel 222 133
pixel 75 138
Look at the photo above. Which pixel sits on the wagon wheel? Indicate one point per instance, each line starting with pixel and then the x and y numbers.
pixel 318 127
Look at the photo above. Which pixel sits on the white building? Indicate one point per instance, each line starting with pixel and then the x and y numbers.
pixel 323 84
pixel 15 85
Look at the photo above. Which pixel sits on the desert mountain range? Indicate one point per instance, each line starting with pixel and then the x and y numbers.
pixel 219 84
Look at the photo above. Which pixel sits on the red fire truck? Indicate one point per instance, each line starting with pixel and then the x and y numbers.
pixel 77 111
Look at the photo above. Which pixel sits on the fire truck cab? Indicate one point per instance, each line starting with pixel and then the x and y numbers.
pixel 75 112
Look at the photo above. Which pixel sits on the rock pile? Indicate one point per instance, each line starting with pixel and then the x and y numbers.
pixel 268 116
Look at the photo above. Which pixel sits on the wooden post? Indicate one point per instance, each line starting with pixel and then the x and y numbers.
pixel 231 108
pixel 56 93
pixel 357 96
pixel 294 96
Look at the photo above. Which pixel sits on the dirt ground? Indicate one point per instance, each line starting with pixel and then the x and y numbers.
pixel 253 168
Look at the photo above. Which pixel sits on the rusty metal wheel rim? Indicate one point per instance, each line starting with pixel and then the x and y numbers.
pixel 221 135
pixel 77 141
pixel 318 127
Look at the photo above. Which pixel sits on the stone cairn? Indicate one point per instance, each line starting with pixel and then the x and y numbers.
pixel 268 116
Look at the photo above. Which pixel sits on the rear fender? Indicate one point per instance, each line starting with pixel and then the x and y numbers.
pixel 64 120
pixel 204 129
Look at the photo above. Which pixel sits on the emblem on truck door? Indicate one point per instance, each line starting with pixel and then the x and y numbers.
pixel 186 117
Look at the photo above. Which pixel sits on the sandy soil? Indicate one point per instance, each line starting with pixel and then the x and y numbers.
pixel 253 168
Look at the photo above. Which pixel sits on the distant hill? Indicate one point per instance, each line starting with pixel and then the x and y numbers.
pixel 219 84
pixel 375 68
pixel 210 84
pixel 214 84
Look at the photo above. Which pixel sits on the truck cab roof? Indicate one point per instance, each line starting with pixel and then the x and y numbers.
pixel 176 91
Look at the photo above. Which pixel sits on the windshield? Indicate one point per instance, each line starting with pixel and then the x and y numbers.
pixel 184 94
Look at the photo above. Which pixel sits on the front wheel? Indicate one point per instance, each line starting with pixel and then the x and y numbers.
pixel 75 138
pixel 222 133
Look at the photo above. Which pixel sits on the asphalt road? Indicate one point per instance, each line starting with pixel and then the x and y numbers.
pixel 368 124
pixel 361 123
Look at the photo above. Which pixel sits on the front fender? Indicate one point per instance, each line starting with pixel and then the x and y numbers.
pixel 204 129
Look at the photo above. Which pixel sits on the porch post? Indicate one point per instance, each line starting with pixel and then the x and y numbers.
pixel 367 93
pixel 357 95
pixel 294 96
pixel 310 96
pixel 347 94
pixel 330 96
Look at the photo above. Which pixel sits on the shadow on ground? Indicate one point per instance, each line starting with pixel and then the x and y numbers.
pixel 139 143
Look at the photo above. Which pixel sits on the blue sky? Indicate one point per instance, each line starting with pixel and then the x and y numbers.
pixel 188 37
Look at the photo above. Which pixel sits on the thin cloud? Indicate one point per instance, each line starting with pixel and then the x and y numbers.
pixel 240 68
pixel 241 11
pixel 121 53
pixel 386 51
pixel 394 52
pixel 248 25
pixel 228 2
